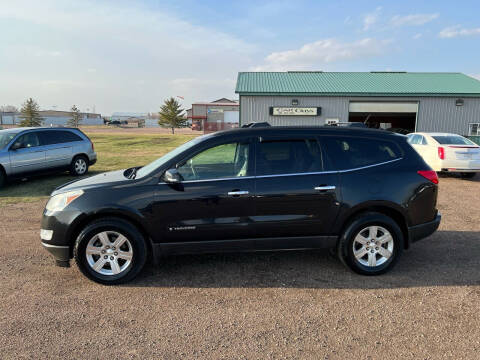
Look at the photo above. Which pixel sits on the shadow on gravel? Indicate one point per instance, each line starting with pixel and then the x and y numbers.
pixel 447 258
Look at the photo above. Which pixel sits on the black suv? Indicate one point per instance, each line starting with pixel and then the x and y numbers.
pixel 366 193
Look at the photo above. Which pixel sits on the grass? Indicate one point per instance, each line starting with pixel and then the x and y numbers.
pixel 116 151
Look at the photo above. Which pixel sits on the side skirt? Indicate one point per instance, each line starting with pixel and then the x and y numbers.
pixel 245 245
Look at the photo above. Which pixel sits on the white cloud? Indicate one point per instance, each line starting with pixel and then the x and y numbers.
pixel 188 88
pixel 311 55
pixel 412 19
pixel 417 36
pixel 476 76
pixel 370 19
pixel 457 30
pixel 131 53
pixel 52 53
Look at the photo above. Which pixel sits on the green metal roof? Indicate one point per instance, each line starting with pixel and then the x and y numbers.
pixel 356 83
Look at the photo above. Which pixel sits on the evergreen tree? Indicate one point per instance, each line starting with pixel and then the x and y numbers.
pixel 74 121
pixel 170 115
pixel 30 114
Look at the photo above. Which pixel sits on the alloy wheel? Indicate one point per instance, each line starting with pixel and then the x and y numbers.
pixel 109 253
pixel 373 246
pixel 80 166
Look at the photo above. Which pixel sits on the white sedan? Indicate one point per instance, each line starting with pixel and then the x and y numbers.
pixel 447 152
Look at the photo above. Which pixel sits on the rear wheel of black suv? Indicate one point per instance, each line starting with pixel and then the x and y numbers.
pixel 371 244
pixel 110 251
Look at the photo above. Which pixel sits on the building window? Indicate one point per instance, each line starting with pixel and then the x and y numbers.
pixel 474 129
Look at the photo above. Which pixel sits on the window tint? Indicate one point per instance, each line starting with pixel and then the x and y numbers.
pixel 350 153
pixel 423 141
pixel 452 140
pixel 288 157
pixel 58 137
pixel 29 140
pixel 222 161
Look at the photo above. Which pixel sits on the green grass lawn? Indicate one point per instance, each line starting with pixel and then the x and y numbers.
pixel 114 152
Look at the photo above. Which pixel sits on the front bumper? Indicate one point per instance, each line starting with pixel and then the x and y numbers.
pixel 421 231
pixel 56 234
pixel 59 252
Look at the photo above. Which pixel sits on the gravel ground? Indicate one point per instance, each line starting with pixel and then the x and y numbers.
pixel 255 306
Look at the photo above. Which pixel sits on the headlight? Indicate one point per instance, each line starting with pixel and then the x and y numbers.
pixel 60 201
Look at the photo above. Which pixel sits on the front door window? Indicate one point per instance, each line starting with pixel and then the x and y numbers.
pixel 222 161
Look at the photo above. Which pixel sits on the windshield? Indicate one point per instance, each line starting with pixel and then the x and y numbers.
pixel 452 140
pixel 6 138
pixel 147 169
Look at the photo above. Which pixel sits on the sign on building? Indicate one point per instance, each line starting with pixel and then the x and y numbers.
pixel 295 111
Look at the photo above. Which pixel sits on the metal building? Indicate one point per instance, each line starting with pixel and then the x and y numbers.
pixel 221 114
pixel 447 102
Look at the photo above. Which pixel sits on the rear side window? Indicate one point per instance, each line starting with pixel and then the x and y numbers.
pixel 350 152
pixel 415 139
pixel 59 137
pixel 275 157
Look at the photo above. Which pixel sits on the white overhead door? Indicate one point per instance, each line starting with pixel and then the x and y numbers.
pixel 231 117
pixel 383 107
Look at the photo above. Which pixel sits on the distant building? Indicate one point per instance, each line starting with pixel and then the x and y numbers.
pixel 132 117
pixel 52 118
pixel 402 101
pixel 60 118
pixel 221 114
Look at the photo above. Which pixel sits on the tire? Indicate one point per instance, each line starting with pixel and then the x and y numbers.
pixel 468 175
pixel 355 241
pixel 121 264
pixel 79 165
pixel 3 178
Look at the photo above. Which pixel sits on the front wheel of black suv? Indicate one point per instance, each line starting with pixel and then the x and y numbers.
pixel 371 244
pixel 110 251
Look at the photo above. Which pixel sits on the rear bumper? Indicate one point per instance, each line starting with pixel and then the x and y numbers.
pixel 421 231
pixel 460 170
pixel 92 158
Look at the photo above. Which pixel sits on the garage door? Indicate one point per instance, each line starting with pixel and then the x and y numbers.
pixel 395 116
pixel 383 107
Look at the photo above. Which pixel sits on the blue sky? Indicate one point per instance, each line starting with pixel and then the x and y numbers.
pixel 131 55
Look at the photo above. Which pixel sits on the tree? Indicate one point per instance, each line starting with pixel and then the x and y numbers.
pixel 74 121
pixel 8 108
pixel 170 115
pixel 30 114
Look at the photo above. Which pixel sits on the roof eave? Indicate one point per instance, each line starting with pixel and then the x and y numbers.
pixel 364 94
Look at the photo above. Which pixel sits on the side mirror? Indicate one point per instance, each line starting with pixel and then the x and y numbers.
pixel 172 176
pixel 16 145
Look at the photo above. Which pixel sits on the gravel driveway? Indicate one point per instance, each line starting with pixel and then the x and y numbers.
pixel 254 306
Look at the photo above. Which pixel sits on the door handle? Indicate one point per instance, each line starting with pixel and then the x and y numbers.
pixel 237 193
pixel 324 187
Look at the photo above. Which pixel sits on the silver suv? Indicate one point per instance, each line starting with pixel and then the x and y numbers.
pixel 28 151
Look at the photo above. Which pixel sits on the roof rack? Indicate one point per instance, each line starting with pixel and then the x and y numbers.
pixel 255 125
pixel 349 124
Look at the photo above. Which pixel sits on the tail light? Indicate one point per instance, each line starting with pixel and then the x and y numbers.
pixel 441 153
pixel 429 174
